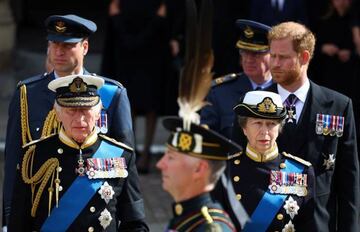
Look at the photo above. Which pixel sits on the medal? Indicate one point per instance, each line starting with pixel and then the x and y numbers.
pixel 333 125
pixel 291 207
pixel 319 124
pixel 340 126
pixel 80 170
pixel 326 128
pixel 330 162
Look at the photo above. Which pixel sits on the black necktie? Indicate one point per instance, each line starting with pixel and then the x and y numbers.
pixel 291 109
pixel 258 88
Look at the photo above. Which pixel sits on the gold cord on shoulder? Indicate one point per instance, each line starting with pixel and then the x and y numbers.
pixel 25 130
pixel 51 125
pixel 42 176
pixel 206 214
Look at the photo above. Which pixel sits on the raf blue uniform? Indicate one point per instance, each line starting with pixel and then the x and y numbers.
pixel 223 96
pixel 227 90
pixel 39 100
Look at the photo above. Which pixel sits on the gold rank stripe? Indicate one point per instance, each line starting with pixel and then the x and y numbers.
pixel 197 215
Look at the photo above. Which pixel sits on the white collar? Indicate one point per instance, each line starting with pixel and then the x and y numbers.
pixel 300 93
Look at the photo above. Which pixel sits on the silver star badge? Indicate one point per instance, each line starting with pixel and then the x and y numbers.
pixel 106 192
pixel 291 207
pixel 330 162
pixel 105 218
pixel 289 227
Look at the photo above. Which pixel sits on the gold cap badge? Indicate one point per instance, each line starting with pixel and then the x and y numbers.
pixel 60 27
pixel 267 106
pixel 249 33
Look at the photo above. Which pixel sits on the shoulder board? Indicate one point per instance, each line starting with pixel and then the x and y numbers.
pixel 38 140
pixel 108 80
pixel 224 79
pixel 120 144
pixel 31 80
pixel 306 163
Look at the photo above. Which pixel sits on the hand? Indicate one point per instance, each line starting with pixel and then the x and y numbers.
pixel 344 55
pixel 174 47
pixel 162 10
pixel 114 8
pixel 329 49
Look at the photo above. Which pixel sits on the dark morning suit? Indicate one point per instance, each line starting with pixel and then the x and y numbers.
pixel 339 186
pixel 223 96
pixel 40 101
pixel 125 206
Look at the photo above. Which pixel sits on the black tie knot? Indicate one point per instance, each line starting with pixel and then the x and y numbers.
pixel 291 100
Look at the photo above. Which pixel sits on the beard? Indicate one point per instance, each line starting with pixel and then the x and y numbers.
pixel 286 77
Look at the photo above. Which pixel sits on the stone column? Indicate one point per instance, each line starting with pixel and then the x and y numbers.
pixel 7 35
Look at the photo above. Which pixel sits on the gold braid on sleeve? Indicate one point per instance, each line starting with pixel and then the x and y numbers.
pixel 51 125
pixel 42 176
pixel 25 130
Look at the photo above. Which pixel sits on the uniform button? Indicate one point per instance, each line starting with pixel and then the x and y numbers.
pixel 60 188
pixel 37 129
pixel 237 162
pixel 59 169
pixel 91 229
pixel 236 178
pixel 280 217
pixel 238 197
pixel 60 150
pixel 92 209
pixel 282 165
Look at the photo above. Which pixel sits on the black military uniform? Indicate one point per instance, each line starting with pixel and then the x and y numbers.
pixel 227 90
pixel 199 213
pixel 66 186
pixel 276 189
pixel 195 215
pixel 29 116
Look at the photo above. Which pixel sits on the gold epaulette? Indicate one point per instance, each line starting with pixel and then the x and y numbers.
pixel 306 163
pixel 224 79
pixel 123 145
pixel 38 140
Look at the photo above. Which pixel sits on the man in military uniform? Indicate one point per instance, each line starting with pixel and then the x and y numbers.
pixel 226 91
pixel 77 179
pixel 191 166
pixel 30 115
pixel 275 188
pixel 320 128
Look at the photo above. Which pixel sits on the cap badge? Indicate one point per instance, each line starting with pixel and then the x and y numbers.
pixel 185 141
pixel 78 86
pixel 267 106
pixel 248 32
pixel 60 27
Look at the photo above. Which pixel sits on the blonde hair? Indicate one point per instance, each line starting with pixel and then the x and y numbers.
pixel 302 38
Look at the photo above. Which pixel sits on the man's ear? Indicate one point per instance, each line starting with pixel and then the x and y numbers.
pixel 304 57
pixel 201 167
pixel 85 45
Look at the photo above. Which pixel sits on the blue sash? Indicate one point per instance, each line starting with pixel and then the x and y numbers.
pixel 78 195
pixel 270 204
pixel 107 93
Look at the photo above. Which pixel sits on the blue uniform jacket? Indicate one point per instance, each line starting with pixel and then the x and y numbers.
pixel 223 96
pixel 40 101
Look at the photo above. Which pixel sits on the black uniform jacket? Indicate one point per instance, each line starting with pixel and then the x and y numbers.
pixel 197 213
pixel 251 180
pixel 40 101
pixel 125 206
pixel 337 185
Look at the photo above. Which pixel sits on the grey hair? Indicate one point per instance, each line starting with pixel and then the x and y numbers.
pixel 217 167
pixel 97 108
